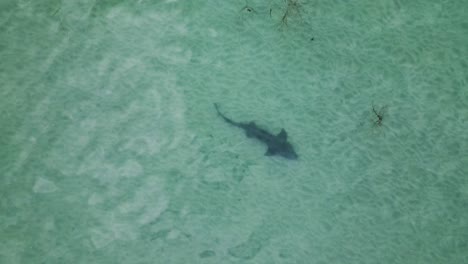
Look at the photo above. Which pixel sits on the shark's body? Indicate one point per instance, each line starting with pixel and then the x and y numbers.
pixel 277 144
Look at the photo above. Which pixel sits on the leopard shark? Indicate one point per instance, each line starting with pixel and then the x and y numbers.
pixel 277 144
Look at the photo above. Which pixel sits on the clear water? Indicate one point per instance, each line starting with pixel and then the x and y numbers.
pixel 111 150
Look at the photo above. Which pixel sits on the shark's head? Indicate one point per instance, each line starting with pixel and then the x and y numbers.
pixel 280 146
pixel 287 151
pixel 283 149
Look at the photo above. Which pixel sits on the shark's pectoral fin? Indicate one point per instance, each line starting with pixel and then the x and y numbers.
pixel 283 135
pixel 270 152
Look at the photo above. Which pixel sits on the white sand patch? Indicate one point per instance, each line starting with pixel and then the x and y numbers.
pixel 131 168
pixel 44 186
pixel 101 238
pixel 95 199
pixel 175 55
pixel 154 210
pixel 173 234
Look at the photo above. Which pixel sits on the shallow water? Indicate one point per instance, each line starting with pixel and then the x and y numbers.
pixel 112 152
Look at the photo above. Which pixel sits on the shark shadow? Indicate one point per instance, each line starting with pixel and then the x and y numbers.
pixel 277 144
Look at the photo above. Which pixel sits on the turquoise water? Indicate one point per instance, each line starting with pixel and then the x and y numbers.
pixel 112 152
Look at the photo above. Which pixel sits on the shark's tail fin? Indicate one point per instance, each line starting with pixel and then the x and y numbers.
pixel 217 108
pixel 223 116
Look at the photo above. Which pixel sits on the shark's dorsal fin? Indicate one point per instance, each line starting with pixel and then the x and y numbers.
pixel 283 135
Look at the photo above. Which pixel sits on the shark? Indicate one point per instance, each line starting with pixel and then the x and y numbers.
pixel 277 144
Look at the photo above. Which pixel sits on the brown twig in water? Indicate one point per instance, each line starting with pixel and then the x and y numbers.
pixel 379 114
